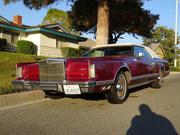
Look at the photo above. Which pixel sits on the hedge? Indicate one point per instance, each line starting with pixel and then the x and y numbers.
pixel 26 47
pixel 71 52
pixel 3 43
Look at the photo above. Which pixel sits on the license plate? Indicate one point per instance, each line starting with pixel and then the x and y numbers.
pixel 71 89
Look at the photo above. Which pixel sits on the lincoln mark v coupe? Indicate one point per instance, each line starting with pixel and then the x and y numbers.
pixel 109 69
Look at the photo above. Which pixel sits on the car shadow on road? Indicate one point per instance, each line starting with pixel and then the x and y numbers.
pixel 90 96
pixel 150 123
pixel 93 96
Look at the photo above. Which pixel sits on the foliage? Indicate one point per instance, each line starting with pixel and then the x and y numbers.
pixel 3 43
pixel 8 69
pixel 165 37
pixel 124 17
pixel 176 69
pixel 37 4
pixel 71 52
pixel 26 47
pixel 57 16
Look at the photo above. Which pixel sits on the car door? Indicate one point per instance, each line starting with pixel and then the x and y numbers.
pixel 141 65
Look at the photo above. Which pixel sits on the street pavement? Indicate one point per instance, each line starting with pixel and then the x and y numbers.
pixel 147 111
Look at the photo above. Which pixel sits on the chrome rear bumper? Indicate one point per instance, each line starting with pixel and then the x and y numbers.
pixel 85 87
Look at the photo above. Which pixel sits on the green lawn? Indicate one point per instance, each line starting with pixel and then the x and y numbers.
pixel 8 61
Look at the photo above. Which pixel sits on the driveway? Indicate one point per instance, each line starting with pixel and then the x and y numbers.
pixel 147 111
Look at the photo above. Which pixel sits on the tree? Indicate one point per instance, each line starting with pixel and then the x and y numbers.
pixel 165 37
pixel 124 17
pixel 113 17
pixel 57 16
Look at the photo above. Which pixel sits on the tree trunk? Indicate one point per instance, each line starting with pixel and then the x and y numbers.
pixel 102 32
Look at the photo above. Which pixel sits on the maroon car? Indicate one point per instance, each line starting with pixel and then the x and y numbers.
pixel 110 69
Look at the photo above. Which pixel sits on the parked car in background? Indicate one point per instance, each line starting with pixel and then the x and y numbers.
pixel 110 69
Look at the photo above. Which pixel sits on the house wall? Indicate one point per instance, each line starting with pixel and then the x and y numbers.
pixel 48 40
pixel 51 46
pixel 48 45
pixel 159 52
pixel 7 37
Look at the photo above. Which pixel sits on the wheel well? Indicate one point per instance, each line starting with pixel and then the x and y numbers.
pixel 126 72
pixel 162 68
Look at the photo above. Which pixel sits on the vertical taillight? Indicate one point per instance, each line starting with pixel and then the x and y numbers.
pixel 77 70
pixel 18 72
pixel 92 71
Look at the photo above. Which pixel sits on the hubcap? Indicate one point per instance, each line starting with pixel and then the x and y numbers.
pixel 160 80
pixel 121 87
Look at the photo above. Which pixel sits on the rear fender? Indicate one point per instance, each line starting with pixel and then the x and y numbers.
pixel 124 68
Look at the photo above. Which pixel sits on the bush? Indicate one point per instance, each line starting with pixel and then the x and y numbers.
pixel 3 43
pixel 71 52
pixel 26 47
pixel 176 69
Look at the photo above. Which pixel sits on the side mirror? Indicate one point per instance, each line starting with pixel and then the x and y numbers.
pixel 140 55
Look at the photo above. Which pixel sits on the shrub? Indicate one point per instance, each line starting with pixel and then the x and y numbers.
pixel 3 43
pixel 71 52
pixel 26 47
pixel 176 69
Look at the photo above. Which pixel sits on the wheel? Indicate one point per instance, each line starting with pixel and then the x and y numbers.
pixel 119 91
pixel 158 81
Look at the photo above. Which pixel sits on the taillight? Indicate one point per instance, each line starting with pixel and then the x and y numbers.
pixel 92 71
pixel 19 72
pixel 27 71
pixel 77 70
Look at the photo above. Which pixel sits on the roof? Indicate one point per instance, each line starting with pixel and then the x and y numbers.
pixel 152 53
pixel 154 47
pixel 115 45
pixel 3 19
pixel 8 25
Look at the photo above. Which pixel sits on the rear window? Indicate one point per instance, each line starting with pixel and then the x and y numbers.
pixel 110 51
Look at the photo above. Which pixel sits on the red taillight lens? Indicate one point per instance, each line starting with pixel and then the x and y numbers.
pixel 27 71
pixel 77 70
pixel 31 72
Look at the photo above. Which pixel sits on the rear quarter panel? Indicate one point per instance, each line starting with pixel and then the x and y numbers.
pixel 108 67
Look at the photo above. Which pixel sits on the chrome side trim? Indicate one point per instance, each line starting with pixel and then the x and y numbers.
pixel 104 82
pixel 139 84
pixel 144 76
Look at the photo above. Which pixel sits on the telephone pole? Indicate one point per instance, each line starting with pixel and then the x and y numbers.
pixel 176 32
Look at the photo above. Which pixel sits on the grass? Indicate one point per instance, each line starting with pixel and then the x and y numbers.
pixel 8 62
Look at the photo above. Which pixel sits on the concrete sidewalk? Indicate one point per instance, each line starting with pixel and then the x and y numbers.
pixel 15 99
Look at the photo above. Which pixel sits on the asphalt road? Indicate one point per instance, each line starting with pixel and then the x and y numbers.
pixel 147 111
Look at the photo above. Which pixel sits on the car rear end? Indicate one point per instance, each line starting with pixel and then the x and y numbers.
pixel 69 76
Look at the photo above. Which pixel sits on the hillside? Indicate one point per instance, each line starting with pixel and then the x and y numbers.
pixel 8 61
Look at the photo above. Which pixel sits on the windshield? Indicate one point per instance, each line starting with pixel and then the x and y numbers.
pixel 109 51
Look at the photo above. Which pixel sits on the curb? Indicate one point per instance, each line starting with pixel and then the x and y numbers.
pixel 173 72
pixel 16 99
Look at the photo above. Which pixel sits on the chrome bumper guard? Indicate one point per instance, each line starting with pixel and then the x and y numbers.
pixel 85 87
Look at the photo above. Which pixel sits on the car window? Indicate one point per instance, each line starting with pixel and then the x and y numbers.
pixel 109 51
pixel 138 49
pixel 114 51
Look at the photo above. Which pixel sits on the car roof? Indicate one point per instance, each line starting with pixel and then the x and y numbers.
pixel 116 45
pixel 127 44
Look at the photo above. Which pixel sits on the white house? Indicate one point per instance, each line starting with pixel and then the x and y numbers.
pixel 48 38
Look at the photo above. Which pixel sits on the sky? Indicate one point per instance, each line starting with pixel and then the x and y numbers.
pixel 165 9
